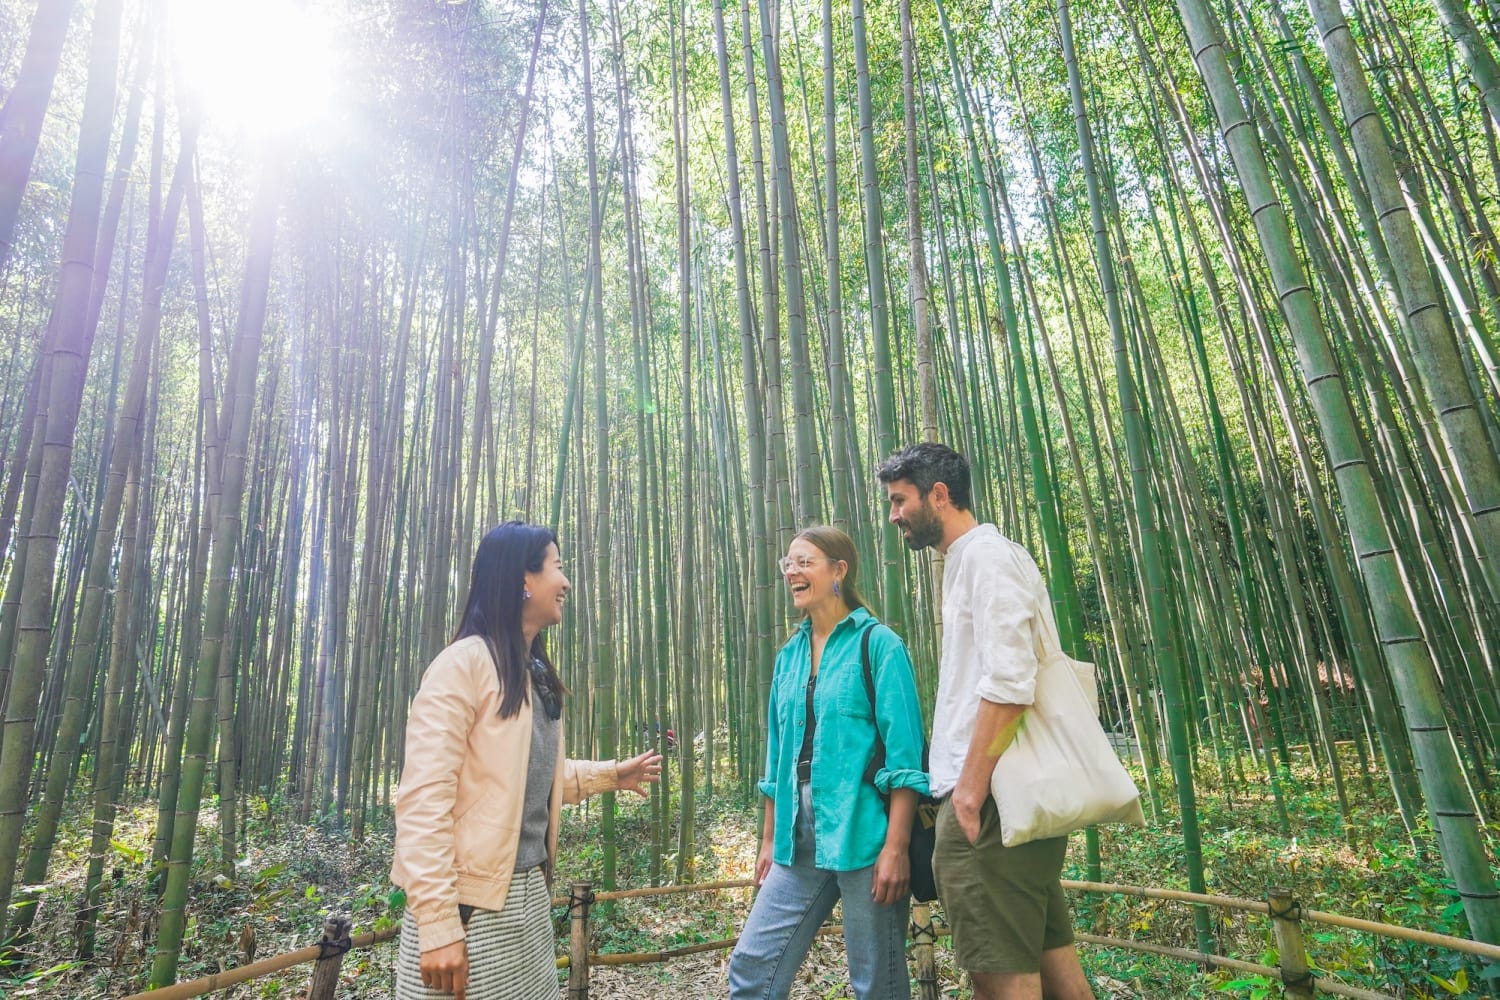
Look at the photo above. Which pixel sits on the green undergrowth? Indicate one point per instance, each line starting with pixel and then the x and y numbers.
pixel 292 875
pixel 1368 867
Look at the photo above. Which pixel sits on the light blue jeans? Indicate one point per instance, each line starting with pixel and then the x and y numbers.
pixel 792 905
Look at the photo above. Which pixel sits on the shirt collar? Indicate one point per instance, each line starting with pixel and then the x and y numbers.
pixel 853 619
pixel 962 541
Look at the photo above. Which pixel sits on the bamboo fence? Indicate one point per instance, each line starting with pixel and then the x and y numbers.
pixel 1294 970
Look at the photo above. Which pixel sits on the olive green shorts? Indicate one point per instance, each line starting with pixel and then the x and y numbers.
pixel 1005 904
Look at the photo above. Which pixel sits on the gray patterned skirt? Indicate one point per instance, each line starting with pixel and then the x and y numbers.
pixel 512 953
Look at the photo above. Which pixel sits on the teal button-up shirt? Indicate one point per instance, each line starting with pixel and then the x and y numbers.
pixel 849 816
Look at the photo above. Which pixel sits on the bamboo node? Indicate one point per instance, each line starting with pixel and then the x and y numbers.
pixel 1229 130
pixel 1341 25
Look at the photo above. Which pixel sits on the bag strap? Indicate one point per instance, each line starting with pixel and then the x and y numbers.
pixel 878 760
pixel 1044 626
pixel 1046 632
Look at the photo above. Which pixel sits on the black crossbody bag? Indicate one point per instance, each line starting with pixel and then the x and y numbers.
pixel 924 822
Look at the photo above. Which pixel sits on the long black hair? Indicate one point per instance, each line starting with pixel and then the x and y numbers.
pixel 493 612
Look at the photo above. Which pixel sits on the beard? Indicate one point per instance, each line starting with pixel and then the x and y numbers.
pixel 923 530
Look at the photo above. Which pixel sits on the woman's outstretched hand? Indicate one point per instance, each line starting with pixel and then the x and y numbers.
pixel 639 771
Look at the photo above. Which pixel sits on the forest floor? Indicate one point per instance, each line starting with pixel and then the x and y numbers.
pixel 292 874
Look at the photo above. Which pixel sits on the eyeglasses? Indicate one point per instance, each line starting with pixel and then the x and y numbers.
pixel 801 563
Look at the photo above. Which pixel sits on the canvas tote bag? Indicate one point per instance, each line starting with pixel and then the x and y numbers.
pixel 1060 773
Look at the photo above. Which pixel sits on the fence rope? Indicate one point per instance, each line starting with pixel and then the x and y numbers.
pixel 280 963
pixel 1468 947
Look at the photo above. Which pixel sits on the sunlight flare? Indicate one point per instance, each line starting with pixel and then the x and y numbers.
pixel 266 68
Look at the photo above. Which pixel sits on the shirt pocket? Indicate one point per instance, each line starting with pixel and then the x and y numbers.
pixel 852 698
pixel 786 695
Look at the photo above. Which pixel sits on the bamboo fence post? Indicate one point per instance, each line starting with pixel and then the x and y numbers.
pixel 331 948
pixel 580 898
pixel 923 936
pixel 1291 953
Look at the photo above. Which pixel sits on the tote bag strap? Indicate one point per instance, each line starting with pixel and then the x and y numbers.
pixel 1050 655
pixel 1045 629
pixel 1045 639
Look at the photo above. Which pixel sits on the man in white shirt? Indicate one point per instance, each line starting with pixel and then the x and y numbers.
pixel 1011 929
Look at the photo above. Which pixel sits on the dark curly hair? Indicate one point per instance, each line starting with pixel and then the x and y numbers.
pixel 927 464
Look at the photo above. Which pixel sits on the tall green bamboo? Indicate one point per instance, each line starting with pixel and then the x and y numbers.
pixel 926 382
pixel 689 593
pixel 603 672
pixel 70 342
pixel 60 772
pixel 838 377
pixel 1154 581
pixel 893 577
pixel 754 403
pixel 1407 655
pixel 1435 349
pixel 240 390
pixel 108 775
pixel 25 109
pixel 808 495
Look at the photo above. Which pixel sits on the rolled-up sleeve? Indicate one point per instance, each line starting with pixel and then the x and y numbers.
pixel 582 778
pixel 1004 609
pixel 898 714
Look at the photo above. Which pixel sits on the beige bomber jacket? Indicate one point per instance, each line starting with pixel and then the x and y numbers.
pixel 458 806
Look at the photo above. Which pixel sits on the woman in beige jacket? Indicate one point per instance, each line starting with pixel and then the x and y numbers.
pixel 484 782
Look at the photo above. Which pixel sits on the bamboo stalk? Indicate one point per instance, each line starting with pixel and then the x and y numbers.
pixel 580 898
pixel 1286 914
pixel 331 950
pixel 923 934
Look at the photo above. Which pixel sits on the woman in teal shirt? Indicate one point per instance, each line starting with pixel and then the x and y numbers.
pixel 826 831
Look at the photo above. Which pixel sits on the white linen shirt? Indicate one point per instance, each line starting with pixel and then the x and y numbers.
pixel 991 592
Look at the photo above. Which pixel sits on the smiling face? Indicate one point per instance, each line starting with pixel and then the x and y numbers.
pixel 914 514
pixel 549 588
pixel 810 575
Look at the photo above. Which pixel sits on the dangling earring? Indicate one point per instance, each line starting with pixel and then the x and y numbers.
pixel 525 593
pixel 835 588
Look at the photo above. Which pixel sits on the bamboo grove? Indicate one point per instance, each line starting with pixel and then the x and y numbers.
pixel 1208 292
